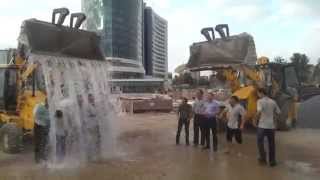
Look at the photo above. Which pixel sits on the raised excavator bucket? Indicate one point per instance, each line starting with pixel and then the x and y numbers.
pixel 39 37
pixel 227 50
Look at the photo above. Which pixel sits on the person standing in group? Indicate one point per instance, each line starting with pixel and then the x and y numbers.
pixel 61 136
pixel 198 128
pixel 266 109
pixel 67 131
pixel 235 122
pixel 212 109
pixel 93 129
pixel 184 115
pixel 41 131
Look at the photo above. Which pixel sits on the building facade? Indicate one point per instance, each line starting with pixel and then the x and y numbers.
pixel 155 44
pixel 120 24
pixel 134 40
pixel 6 55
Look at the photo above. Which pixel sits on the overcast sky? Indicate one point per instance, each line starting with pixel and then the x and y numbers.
pixel 280 27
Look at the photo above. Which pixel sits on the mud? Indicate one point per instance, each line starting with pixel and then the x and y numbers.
pixel 147 151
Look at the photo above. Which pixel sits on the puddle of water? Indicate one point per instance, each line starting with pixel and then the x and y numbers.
pixel 300 166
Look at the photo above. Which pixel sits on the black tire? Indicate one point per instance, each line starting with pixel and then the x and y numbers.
pixel 282 123
pixel 11 138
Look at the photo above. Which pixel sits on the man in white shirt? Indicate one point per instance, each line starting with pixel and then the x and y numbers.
pixel 235 122
pixel 93 129
pixel 266 109
pixel 198 109
pixel 61 134
pixel 67 129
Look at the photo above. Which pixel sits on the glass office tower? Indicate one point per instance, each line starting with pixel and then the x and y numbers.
pixel 120 23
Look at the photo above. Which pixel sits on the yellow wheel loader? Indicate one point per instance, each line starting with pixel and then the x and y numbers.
pixel 22 86
pixel 17 101
pixel 235 60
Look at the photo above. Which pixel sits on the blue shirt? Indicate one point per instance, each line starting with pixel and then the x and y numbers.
pixel 41 115
pixel 212 109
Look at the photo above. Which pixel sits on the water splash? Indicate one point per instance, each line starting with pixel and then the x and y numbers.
pixel 80 89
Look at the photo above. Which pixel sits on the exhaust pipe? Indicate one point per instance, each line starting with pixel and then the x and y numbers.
pixel 80 19
pixel 220 29
pixel 63 13
pixel 206 33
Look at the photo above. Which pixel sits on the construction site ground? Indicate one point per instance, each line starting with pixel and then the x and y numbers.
pixel 147 151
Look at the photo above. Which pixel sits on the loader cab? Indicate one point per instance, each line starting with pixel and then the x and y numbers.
pixel 290 77
pixel 8 88
pixel 292 82
pixel 284 76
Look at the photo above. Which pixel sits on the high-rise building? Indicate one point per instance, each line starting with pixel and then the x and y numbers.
pixel 155 44
pixel 120 23
pixel 124 27
pixel 6 55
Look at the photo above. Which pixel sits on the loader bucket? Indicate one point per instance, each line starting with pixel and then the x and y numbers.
pixel 40 37
pixel 232 50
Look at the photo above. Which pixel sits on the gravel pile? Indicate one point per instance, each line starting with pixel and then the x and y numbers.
pixel 309 113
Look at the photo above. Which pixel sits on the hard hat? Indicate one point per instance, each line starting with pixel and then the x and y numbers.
pixel 263 60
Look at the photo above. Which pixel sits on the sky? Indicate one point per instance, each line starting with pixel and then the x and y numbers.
pixel 279 27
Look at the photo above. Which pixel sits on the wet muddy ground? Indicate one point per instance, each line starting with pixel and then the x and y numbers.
pixel 147 150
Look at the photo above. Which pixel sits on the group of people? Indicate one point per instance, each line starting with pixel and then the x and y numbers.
pixel 67 133
pixel 206 112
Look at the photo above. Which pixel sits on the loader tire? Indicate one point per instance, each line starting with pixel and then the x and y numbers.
pixel 11 138
pixel 283 123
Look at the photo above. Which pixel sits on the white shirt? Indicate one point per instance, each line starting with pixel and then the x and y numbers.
pixel 267 107
pixel 234 114
pixel 92 115
pixel 62 124
pixel 198 106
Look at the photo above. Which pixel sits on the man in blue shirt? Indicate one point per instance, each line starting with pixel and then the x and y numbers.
pixel 212 108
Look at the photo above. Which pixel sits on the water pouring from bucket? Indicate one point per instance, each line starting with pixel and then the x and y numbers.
pixel 72 70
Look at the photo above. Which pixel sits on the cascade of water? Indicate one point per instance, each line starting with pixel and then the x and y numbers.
pixel 80 89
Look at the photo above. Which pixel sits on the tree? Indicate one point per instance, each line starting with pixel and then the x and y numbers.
pixel 187 79
pixel 203 81
pixel 280 60
pixel 301 62
pixel 184 78
pixel 176 80
pixel 316 73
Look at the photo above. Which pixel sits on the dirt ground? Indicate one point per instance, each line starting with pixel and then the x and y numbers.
pixel 147 150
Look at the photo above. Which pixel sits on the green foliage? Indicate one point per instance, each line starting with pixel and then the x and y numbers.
pixel 185 78
pixel 316 73
pixel 280 60
pixel 204 81
pixel 301 62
